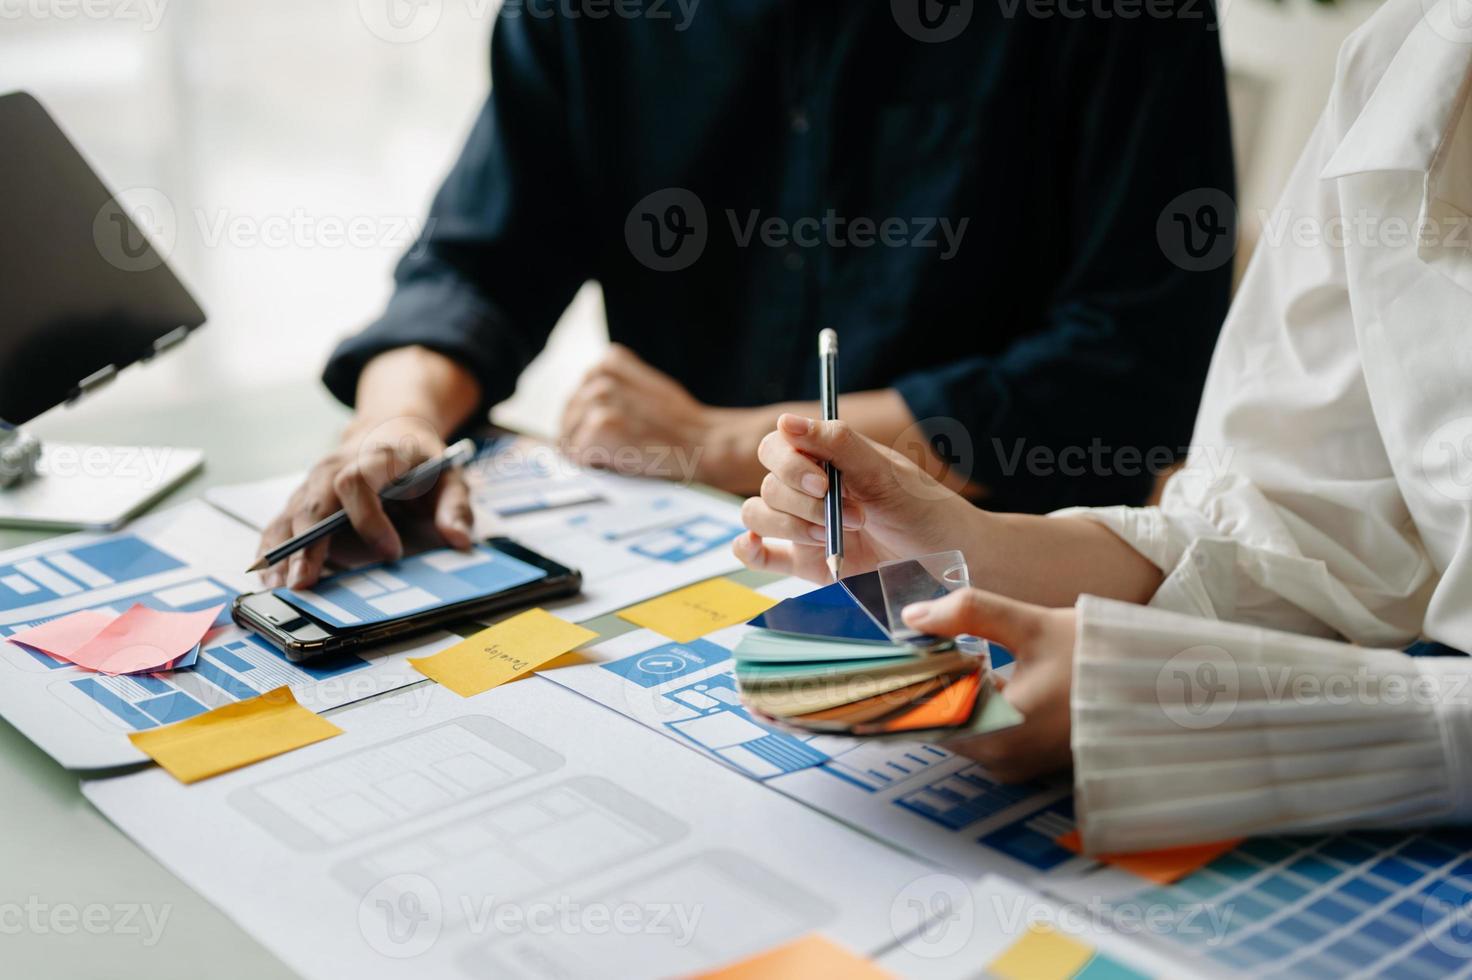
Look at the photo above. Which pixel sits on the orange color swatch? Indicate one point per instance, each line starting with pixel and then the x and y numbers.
pixel 1164 867
pixel 953 706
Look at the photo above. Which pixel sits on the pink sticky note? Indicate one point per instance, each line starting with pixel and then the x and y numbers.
pixel 65 635
pixel 144 639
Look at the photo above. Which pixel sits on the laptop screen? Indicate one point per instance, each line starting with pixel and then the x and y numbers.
pixel 82 289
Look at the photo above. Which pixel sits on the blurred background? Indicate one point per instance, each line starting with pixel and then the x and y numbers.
pixel 283 153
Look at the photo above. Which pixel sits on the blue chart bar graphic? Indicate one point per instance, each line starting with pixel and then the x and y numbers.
pixel 964 798
pixel 1033 840
pixel 724 728
pixel 229 671
pixel 69 572
pixel 186 597
pixel 1382 904
pixel 687 540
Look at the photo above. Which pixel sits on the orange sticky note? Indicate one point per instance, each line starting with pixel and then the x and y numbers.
pixel 1164 867
pixel 234 735
pixel 688 614
pixel 802 959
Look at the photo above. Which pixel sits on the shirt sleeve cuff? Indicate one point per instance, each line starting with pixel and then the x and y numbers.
pixel 443 315
pixel 1188 730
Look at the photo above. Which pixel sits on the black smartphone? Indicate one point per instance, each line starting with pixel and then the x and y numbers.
pixel 302 636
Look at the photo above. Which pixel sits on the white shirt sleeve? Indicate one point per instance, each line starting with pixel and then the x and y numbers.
pixel 1187 731
pixel 1288 513
pixel 1326 497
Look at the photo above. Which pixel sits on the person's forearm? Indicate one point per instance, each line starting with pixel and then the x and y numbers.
pixel 1052 561
pixel 414 383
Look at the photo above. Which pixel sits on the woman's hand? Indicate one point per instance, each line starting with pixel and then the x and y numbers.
pixel 892 508
pixel 1042 641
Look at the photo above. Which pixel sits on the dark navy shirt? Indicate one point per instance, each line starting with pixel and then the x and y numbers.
pixel 986 219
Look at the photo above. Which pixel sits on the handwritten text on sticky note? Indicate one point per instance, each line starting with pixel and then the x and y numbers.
pixel 502 652
pixel 690 613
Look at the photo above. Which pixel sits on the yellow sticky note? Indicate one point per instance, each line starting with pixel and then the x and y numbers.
pixel 802 959
pixel 502 652
pixel 690 613
pixel 1042 954
pixel 234 735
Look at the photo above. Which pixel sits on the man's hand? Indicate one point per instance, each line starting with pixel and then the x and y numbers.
pixel 633 418
pixel 892 508
pixel 1042 641
pixel 370 457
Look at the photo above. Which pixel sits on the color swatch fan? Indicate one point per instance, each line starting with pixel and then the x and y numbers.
pixel 828 662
